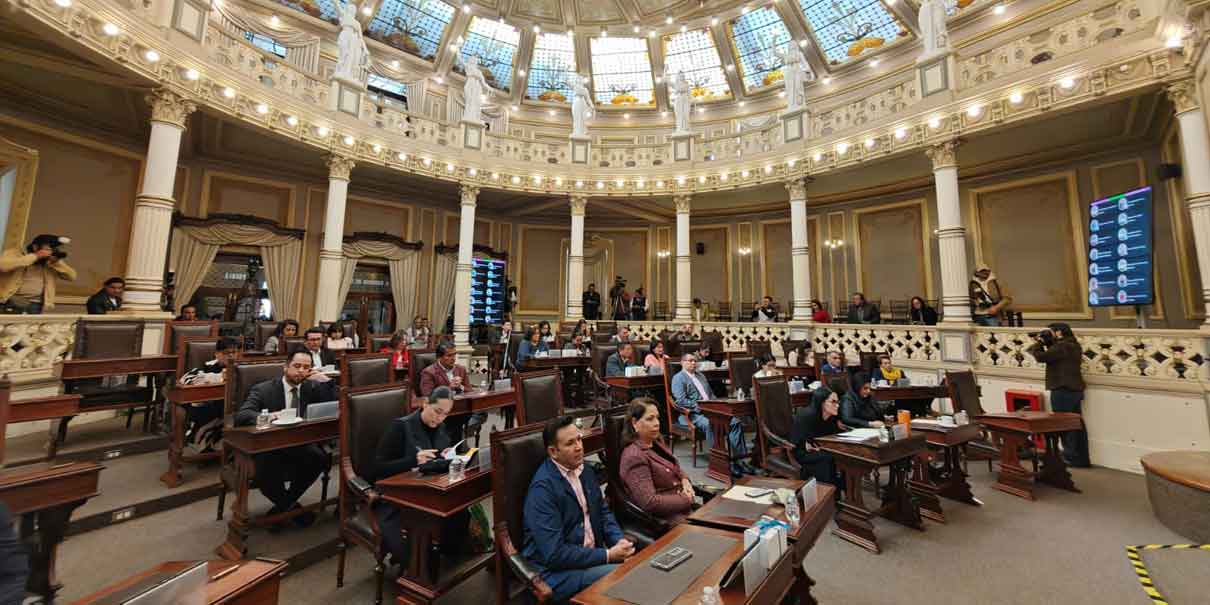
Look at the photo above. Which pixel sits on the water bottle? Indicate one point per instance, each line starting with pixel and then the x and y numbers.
pixel 792 513
pixel 709 596
pixel 263 420
pixel 457 470
pixel 884 434
pixel 962 418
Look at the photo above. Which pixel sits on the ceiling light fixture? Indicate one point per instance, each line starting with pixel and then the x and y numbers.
pixel 791 162
pixel 818 156
pixel 600 184
pixel 827 80
pixel 520 72
pixel 745 10
pixel 1067 82
pixel 742 103
pixel 626 115
pixel 466 8
pixel 559 181
pixel 376 147
pixel 684 28
pixel 668 20
pixel 428 162
pixel 495 176
pixel 659 184
pixel 322 131
pixel 440 80
pixel 723 176
pixel 873 62
pixel 934 122
pixel 110 29
pixel 680 180
pixel 63 3
pixel 472 171
pixel 395 64
pixel 730 67
pixel 663 114
pixel 637 29
pixel 229 92
pixel 639 184
pixel 1015 98
pixel 620 183
pixel 900 132
pixel 841 148
pixel 366 10
pixel 516 180
pixel 651 33
pixel 869 143
pixel 571 33
pixel 974 111
pixel 537 179
pixel 713 21
pixel 291 120
pixel 604 33
pixel 744 174
pixel 579 184
pixel 348 141
pixel 262 109
pixel 403 157
pixel 192 74
pixel 999 10
pixel 803 43
pixel 275 21
pixel 449 167
pixel 701 179
pixel 537 29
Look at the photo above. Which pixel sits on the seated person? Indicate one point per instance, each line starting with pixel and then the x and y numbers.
pixel 656 358
pixel 651 476
pixel 623 335
pixel 690 386
pixel 858 408
pixel 685 333
pixel 398 348
pixel 188 313
pixel 314 344
pixel 886 371
pixel 335 337
pixel 531 345
pixel 548 336
pixel 419 333
pixel 300 466
pixel 834 364
pixel 818 419
pixel 766 366
pixel 618 362
pixel 766 312
pixel 579 342
pixel 276 344
pixel 418 440
pixel 205 418
pixel 445 372
pixel 571 537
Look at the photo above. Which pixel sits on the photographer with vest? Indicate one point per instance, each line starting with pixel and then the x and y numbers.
pixel 27 280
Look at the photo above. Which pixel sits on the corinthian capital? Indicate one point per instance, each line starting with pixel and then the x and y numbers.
pixel 682 203
pixel 470 194
pixel 169 107
pixel 578 204
pixel 943 155
pixel 797 188
pixel 339 167
pixel 1183 94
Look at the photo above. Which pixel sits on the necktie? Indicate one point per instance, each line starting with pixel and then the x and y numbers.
pixel 293 397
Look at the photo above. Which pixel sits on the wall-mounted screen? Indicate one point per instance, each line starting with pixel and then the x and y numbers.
pixel 1119 250
pixel 488 290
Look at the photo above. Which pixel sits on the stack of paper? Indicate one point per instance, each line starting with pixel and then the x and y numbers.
pixel 859 434
pixel 739 492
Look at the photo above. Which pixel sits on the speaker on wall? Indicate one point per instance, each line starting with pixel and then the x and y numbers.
pixel 1168 171
pixel 701 248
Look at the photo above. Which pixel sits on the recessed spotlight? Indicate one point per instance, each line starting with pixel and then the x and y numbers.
pixel 229 92
pixel 803 43
pixel 604 33
pixel 495 176
pixel 723 176
pixel 579 184
pixel 440 80
pixel 659 79
pixel 663 114
pixel 403 157
pixel 818 156
pixel 841 148
pixel 192 74
pixel 472 171
pixel 659 184
pixel 999 10
pixel 449 167
pixel 514 108
pixel 275 21
pixel 262 109
pixel 428 162
pixel 366 10
pixel 550 112
pixel 827 80
pixel 322 131
pixel 537 179
pixel 701 179
pixel 934 122
pixel 520 72
pixel 348 140
pixel 395 64
pixel 873 62
pixel 571 33
pixel 713 21
pixel 639 184
pixel 376 147
pixel 668 20
pixel 781 94
pixel 684 28
pixel 791 162
pixel 730 67
pixel 559 181
pixel 1067 82
pixel 680 180
pixel 1015 98
pixel 63 3
pixel 1173 41
pixel 742 103
pixel 701 109
pixel 637 29
pixel 466 8
pixel 291 120
pixel 151 55
pixel 744 174
pixel 110 29
pixel 900 132
pixel 651 34
pixel 745 10
pixel 600 184
pixel 516 180
pixel 869 143
pixel 974 111
pixel 620 183
pixel 537 29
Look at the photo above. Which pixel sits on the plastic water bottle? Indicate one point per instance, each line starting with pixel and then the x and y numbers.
pixel 263 420
pixel 709 596
pixel 792 513
pixel 962 418
pixel 456 471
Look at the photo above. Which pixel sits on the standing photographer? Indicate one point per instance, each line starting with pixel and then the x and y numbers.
pixel 1058 348
pixel 620 299
pixel 27 281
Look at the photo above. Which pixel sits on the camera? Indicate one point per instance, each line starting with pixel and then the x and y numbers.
pixel 1045 336
pixel 54 241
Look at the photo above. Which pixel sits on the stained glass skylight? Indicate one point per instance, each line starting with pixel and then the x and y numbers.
pixel 621 71
pixel 553 68
pixel 320 9
pixel 414 26
pixel 844 29
pixel 757 36
pixel 495 43
pixel 694 53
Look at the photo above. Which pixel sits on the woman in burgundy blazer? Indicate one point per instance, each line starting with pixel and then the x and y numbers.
pixel 651 477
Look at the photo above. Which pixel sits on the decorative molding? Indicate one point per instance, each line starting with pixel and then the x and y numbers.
pixel 944 154
pixel 476 249
pixel 578 204
pixel 797 188
pixel 1183 94
pixel 682 203
pixel 339 166
pixel 169 107
pixel 180 220
pixel 374 236
pixel 469 193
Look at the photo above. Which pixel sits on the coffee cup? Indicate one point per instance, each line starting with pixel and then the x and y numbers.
pixel 287 415
pixel 946 421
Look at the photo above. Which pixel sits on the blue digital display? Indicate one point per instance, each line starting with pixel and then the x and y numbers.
pixel 488 291
pixel 1119 250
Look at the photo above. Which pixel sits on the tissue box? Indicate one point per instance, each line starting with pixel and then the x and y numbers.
pixel 633 371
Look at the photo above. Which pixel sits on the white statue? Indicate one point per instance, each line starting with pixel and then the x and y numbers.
pixel 473 91
pixel 354 60
pixel 932 29
pixel 581 107
pixel 682 102
pixel 796 74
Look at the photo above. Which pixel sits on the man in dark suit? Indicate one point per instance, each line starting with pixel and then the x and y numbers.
pixel 300 385
pixel 618 362
pixel 863 311
pixel 108 298
pixel 591 300
pixel 314 342
pixel 571 536
pixel 445 372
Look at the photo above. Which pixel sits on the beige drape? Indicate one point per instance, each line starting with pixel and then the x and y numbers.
pixel 443 287
pixel 404 266
pixel 196 247
pixel 598 253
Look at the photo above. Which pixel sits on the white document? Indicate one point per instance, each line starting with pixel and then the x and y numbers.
pixel 739 492
pixel 810 495
pixel 859 434
pixel 451 453
pixel 753 564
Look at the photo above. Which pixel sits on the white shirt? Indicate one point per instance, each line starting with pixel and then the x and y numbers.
pixel 287 386
pixel 317 358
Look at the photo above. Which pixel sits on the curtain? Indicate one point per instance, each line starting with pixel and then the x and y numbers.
pixel 347 269
pixel 304 47
pixel 443 287
pixel 281 254
pixel 403 264
pixel 597 268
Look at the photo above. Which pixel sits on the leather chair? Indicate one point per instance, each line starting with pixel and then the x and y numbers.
pixel 801 347
pixel 687 346
pixel 378 341
pixel 634 521
pixel 366 370
pixel 174 330
pixel 608 328
pixel 110 340
pixel 516 455
pixel 418 360
pixel 672 412
pixel 964 395
pixel 756 348
pixel 262 331
pixel 600 357
pixel 294 342
pixel 869 360
pixel 723 311
pixel 641 350
pixel 714 341
pixel 514 342
pixel 241 377
pixel 775 423
pixel 741 368
pixel 539 396
pixel 363 414
pixel 745 311
pixel 194 351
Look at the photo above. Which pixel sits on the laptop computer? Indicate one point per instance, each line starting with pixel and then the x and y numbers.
pixel 187 587
pixel 323 409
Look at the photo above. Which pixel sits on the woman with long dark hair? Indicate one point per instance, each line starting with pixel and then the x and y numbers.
pixel 276 344
pixel 819 314
pixel 819 419
pixel 1058 348
pixel 652 478
pixel 920 313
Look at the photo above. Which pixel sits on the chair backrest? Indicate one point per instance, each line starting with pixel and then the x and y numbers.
pixel 418 360
pixel 173 330
pixel 364 415
pixel 243 375
pixel 741 368
pixel 366 370
pixel 293 342
pixel 615 421
pixel 378 341
pixel 756 348
pixel 600 357
pixel 723 312
pixel 840 379
pixel 609 328
pixel 802 347
pixel 714 340
pixel 869 360
pixel 234 329
pixel 745 311
pixel 687 346
pixel 773 408
pixel 539 396
pixel 671 369
pixel 640 352
pixel 514 343
pixel 964 392
pixel 262 331
pixel 193 352
pixel 108 339
pixel 601 338
pixel 516 455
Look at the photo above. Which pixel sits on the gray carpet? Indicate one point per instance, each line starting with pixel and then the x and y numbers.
pixel 1179 575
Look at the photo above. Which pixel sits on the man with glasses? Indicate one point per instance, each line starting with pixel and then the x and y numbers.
pixel 446 372
pixel 320 355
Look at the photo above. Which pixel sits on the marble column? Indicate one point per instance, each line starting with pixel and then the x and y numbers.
pixel 951 235
pixel 331 256
pixel 151 225
pixel 575 259
pixel 684 285
pixel 799 252
pixel 462 279
pixel 1195 150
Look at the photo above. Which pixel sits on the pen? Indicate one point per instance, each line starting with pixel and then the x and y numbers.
pixel 224 573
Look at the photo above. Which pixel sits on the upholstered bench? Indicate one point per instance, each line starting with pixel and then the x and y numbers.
pixel 1178 484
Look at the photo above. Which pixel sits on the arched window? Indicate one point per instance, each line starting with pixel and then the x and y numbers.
pixel 621 71
pixel 553 68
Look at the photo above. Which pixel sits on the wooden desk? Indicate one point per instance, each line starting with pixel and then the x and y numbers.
pixel 805 372
pixel 916 398
pixel 1010 431
pixel 621 386
pixel 45 408
pixel 811 520
pixel 180 397
pixel 928 482
pixel 245 443
pixel 772 589
pixel 573 370
pixel 44 496
pixel 425 501
pixel 856 459
pixel 254 582
pixel 99 368
pixel 720 412
pixel 482 401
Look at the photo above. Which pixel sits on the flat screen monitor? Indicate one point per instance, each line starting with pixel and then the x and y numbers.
pixel 488 291
pixel 1119 250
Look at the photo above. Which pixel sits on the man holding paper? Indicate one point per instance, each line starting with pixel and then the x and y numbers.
pixel 418 440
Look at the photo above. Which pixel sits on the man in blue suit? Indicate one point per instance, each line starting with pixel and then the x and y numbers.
pixel 690 386
pixel 570 535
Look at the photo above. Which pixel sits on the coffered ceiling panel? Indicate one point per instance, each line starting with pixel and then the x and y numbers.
pixel 599 12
